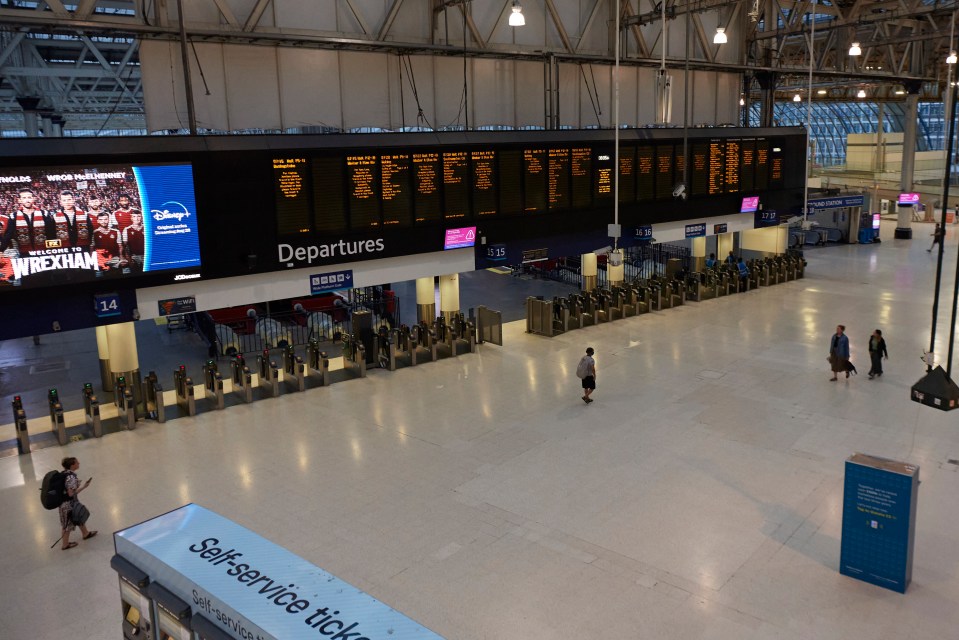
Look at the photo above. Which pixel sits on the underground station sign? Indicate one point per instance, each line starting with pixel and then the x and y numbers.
pixel 244 586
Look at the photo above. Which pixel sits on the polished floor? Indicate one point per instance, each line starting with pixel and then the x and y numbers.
pixel 699 496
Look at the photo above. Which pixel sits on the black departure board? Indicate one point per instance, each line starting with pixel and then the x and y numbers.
pixel 603 177
pixel 558 191
pixel 664 171
pixel 775 168
pixel 291 195
pixel 535 180
pixel 627 174
pixel 645 173
pixel 699 170
pixel 717 167
pixel 581 170
pixel 511 182
pixel 329 200
pixel 762 164
pixel 396 188
pixel 456 185
pixel 426 184
pixel 747 165
pixel 733 160
pixel 483 166
pixel 364 191
pixel 680 161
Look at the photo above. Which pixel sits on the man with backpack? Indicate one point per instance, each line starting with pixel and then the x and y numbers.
pixel 59 491
pixel 586 371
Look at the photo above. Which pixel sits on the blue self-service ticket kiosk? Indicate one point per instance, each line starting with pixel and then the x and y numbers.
pixel 240 585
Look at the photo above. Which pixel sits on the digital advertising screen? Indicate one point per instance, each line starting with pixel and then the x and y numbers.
pixel 750 204
pixel 908 199
pixel 76 224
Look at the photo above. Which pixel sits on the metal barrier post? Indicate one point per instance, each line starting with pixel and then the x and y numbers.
pixel 242 379
pixel 91 410
pixel 183 385
pixel 213 384
pixel 128 407
pixel 269 374
pixel 319 362
pixel 20 423
pixel 153 394
pixel 56 416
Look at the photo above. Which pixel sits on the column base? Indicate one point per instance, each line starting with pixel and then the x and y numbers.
pixel 903 233
pixel 426 313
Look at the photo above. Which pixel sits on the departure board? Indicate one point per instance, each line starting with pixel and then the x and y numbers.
pixel 627 174
pixel 581 171
pixel 699 171
pixel 733 159
pixel 291 196
pixel 664 171
pixel 680 169
pixel 717 167
pixel 510 182
pixel 559 164
pixel 775 168
pixel 329 201
pixel 455 185
pixel 397 193
pixel 364 192
pixel 747 166
pixel 762 164
pixel 603 177
pixel 426 184
pixel 484 182
pixel 535 180
pixel 645 173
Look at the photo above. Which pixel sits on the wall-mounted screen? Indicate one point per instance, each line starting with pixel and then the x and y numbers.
pixel 750 204
pixel 460 238
pixel 908 199
pixel 74 224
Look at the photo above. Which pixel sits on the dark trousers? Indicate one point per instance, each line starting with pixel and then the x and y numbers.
pixel 876 358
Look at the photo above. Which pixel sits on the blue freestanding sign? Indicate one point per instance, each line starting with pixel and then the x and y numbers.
pixel 879 521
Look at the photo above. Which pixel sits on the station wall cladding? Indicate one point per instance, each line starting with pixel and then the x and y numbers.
pixel 221 206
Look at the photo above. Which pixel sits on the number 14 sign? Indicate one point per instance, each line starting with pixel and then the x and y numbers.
pixel 107 304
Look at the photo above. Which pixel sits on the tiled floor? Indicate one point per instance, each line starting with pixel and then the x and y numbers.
pixel 698 497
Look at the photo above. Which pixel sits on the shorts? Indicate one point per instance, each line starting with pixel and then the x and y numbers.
pixel 589 382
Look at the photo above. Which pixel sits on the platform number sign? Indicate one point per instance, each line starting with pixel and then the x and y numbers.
pixel 767 218
pixel 106 305
pixel 644 233
pixel 496 252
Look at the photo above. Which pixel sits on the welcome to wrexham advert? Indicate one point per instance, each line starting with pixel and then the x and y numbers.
pixel 61 225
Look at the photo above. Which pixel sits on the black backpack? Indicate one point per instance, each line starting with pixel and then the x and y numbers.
pixel 53 489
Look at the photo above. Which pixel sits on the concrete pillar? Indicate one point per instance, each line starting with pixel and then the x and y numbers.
pixel 588 271
pixel 449 296
pixel 910 121
pixel 46 125
pixel 103 350
pixel 724 244
pixel 124 360
pixel 697 252
pixel 425 300
pixel 57 123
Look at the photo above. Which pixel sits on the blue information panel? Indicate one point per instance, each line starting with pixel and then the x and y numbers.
pixel 496 252
pixel 696 230
pixel 107 304
pixel 644 233
pixel 332 281
pixel 879 521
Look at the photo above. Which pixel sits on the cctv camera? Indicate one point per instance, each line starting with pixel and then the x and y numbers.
pixel 679 191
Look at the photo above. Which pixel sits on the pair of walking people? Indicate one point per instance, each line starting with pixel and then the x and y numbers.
pixel 839 354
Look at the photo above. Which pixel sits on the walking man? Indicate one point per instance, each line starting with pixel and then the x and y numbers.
pixel 937 237
pixel 877 351
pixel 586 371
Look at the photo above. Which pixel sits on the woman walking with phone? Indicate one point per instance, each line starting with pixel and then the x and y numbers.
pixel 72 512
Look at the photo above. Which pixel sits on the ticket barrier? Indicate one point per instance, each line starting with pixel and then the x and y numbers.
pixel 694 287
pixel 677 292
pixel 755 281
pixel 624 299
pixel 91 411
pixel 611 304
pixel 269 374
pixel 126 405
pixel 56 417
pixel 578 310
pixel 422 342
pixel 183 384
pixel 726 284
pixel 213 385
pixel 772 273
pixel 564 317
pixel 172 615
pixel 464 334
pixel 153 394
pixel 242 378
pixel 539 317
pixel 354 356
pixel 800 263
pixel 20 424
pixel 135 604
pixel 402 345
pixel 442 338
pixel 294 369
pixel 385 342
pixel 318 361
pixel 593 307
pixel 711 286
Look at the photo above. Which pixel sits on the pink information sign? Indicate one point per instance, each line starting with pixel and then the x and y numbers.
pixel 460 238
pixel 750 204
pixel 908 198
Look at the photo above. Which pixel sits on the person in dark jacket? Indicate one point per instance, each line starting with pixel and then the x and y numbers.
pixel 877 351
pixel 839 352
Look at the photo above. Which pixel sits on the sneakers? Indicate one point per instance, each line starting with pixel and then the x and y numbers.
pixel 587 400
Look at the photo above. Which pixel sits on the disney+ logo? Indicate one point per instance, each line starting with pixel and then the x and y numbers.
pixel 168 212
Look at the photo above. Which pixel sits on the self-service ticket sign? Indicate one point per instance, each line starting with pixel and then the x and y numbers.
pixel 879 521
pixel 460 238
pixel 252 588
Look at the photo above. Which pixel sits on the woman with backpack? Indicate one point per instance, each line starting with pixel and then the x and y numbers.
pixel 72 511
